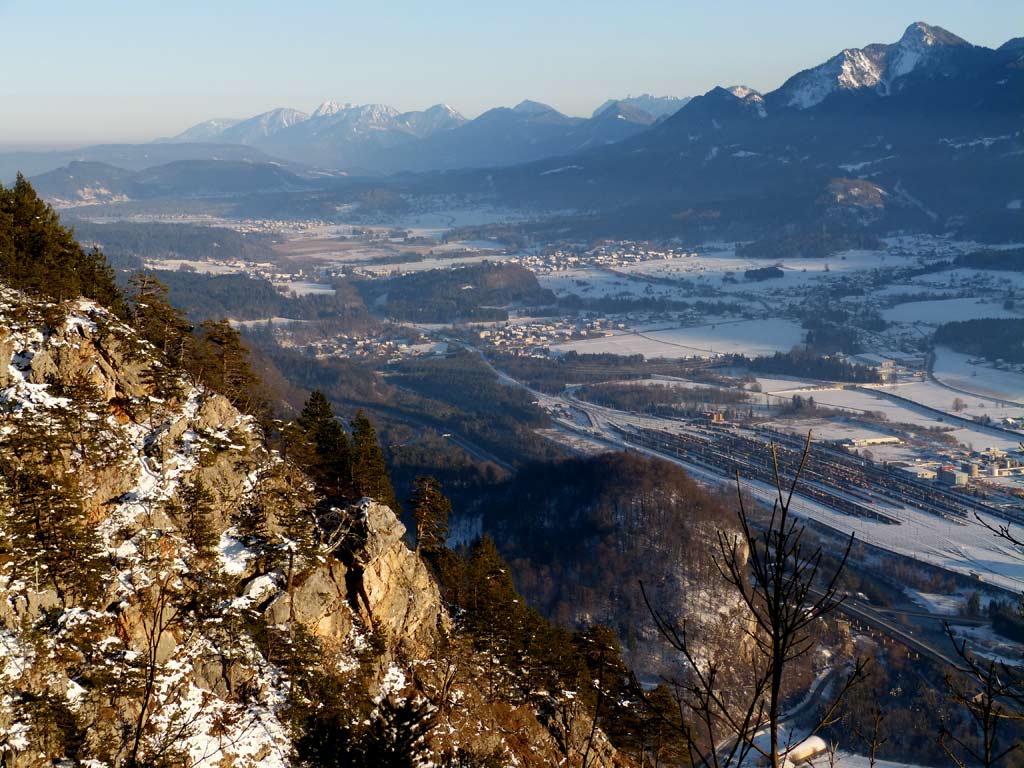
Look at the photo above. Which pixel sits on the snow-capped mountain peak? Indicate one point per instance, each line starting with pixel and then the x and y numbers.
pixel 851 69
pixel 206 130
pixel 439 117
pixel 915 46
pixel 741 91
pixel 443 109
pixel 329 108
pixel 874 66
pixel 920 33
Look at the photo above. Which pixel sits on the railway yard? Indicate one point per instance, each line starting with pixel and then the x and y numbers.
pixel 948 527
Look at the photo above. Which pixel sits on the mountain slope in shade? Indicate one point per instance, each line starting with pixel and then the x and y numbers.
pixel 506 136
pixel 85 183
pixel 345 135
pixel 336 134
pixel 435 119
pixel 95 183
pixel 133 157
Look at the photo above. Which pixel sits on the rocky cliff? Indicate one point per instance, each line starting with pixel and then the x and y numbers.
pixel 171 593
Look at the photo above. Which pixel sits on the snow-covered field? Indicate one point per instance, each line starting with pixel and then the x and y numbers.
pixel 935 395
pixel 435 263
pixel 598 283
pixel 265 321
pixel 898 413
pixel 829 429
pixel 850 760
pixel 785 385
pixel 471 245
pixel 947 604
pixel 946 311
pixel 962 280
pixel 438 222
pixel 195 265
pixel 747 337
pixel 718 262
pixel 303 288
pixel 962 546
pixel 957 370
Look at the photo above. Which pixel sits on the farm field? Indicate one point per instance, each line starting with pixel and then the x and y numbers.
pixel 957 370
pixel 946 311
pixel 898 413
pixel 935 395
pixel 747 337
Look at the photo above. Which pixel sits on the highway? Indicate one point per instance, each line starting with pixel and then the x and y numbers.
pixel 869 616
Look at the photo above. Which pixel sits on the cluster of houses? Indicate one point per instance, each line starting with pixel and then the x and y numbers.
pixel 542 333
pixel 343 346
pixel 608 254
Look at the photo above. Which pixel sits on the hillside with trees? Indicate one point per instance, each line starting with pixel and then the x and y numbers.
pixel 799 362
pixel 579 535
pixel 1007 260
pixel 127 244
pixel 473 292
pixel 40 255
pixel 991 339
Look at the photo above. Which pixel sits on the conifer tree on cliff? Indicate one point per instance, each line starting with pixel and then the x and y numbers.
pixel 329 458
pixel 222 363
pixel 38 255
pixel 431 509
pixel 156 319
pixel 369 472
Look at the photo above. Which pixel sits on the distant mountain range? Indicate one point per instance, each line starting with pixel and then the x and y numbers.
pixel 923 133
pixel 926 132
pixel 655 106
pixel 134 157
pixel 95 183
pixel 374 138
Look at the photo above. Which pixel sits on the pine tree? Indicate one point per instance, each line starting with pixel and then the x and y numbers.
pixel 221 362
pixel 431 509
pixel 197 510
pixel 489 596
pixel 39 255
pixel 43 515
pixel 328 460
pixel 295 515
pixel 397 737
pixel 156 320
pixel 369 472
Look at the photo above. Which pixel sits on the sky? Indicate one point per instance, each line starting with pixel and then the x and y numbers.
pixel 85 71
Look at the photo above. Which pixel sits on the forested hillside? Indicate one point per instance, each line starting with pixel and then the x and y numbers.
pixel 991 339
pixel 580 534
pixel 475 292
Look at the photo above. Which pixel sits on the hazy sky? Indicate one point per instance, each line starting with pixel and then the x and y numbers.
pixel 80 71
